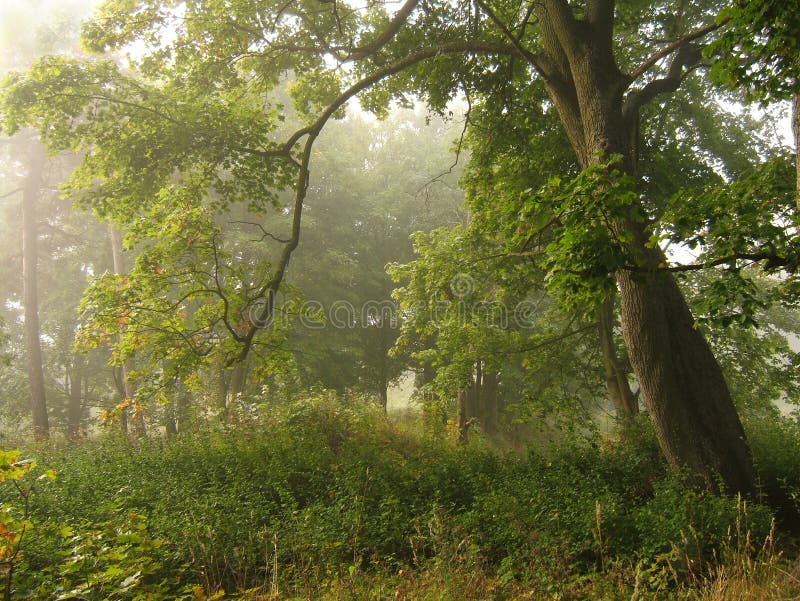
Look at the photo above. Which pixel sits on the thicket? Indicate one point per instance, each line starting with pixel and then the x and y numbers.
pixel 325 498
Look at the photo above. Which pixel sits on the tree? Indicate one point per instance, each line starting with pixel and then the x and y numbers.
pixel 30 303
pixel 191 121
pixel 379 183
pixel 47 294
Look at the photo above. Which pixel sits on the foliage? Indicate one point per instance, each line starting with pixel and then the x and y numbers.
pixel 326 493
pixel 110 559
pixel 16 521
pixel 738 225
pixel 759 49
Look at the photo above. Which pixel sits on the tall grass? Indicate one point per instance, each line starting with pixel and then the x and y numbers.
pixel 325 499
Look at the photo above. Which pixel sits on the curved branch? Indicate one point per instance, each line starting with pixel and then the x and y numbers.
pixel 270 290
pixel 264 233
pixel 676 45
pixel 531 58
pixel 7 194
pixel 687 56
pixel 400 17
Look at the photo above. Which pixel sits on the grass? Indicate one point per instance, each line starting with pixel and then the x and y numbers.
pixel 325 499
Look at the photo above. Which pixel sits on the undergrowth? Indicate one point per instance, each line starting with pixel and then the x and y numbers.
pixel 325 499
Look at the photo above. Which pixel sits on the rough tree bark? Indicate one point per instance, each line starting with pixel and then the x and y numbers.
pixel 30 295
pixel 685 392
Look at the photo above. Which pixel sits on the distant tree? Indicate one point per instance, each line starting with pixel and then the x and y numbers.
pixel 379 183
pixel 30 297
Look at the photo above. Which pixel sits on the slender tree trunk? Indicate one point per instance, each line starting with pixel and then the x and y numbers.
pixel 237 383
pixel 184 411
pixel 121 389
pixel 462 414
pixel 490 401
pixel 75 409
pixel 171 419
pixel 135 414
pixel 684 390
pixel 222 392
pixel 796 132
pixel 384 395
pixel 626 405
pixel 30 297
pixel 474 396
pixel 383 373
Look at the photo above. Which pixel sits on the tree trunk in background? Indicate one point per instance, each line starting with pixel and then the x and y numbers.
pixel 796 132
pixel 30 297
pixel 384 395
pixel 75 408
pixel 222 392
pixel 462 415
pixel 490 409
pixel 685 392
pixel 478 403
pixel 171 419
pixel 122 390
pixel 236 383
pixel 184 411
pixel 383 375
pixel 126 388
pixel 625 403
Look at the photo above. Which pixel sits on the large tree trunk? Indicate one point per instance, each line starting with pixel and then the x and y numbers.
pixel 683 386
pixel 30 297
pixel 684 390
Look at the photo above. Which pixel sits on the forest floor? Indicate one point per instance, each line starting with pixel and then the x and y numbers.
pixel 327 499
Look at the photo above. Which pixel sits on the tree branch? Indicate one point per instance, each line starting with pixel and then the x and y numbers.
pixel 773 261
pixel 567 334
pixel 7 194
pixel 687 56
pixel 531 58
pixel 400 17
pixel 270 290
pixel 670 48
pixel 264 232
